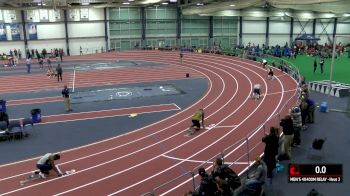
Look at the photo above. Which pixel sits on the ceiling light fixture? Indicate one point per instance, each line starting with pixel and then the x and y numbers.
pixel 85 3
pixel 232 5
pixel 200 4
pixel 165 3
pixel 126 3
pixel 131 0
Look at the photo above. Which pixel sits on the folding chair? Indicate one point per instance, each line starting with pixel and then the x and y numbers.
pixel 15 129
pixel 28 125
pixel 3 130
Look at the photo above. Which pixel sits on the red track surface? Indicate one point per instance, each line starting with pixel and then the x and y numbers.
pixel 135 163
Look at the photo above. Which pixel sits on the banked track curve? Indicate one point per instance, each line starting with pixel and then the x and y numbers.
pixel 135 163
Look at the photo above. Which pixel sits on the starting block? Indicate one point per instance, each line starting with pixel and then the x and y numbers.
pixel 324 107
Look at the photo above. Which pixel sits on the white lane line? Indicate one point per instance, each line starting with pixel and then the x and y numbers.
pixel 106 116
pixel 224 85
pixel 276 93
pixel 206 162
pixel 121 190
pixel 208 92
pixel 137 130
pixel 272 114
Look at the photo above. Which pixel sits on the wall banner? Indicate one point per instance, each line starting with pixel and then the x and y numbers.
pixel 32 31
pixel 15 31
pixel 3 36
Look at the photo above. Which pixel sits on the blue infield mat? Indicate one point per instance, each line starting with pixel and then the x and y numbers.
pixel 124 93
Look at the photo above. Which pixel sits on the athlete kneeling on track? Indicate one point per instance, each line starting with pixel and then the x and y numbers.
pixel 270 75
pixel 196 118
pixel 256 91
pixel 47 163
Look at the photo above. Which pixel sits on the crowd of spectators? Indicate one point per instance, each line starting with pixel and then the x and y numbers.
pixel 13 56
pixel 298 48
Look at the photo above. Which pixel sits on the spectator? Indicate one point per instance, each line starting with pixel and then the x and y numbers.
pixel 223 188
pixel 224 172
pixel 61 54
pixel 207 185
pixel 304 112
pixel 28 63
pixel 49 63
pixel 288 131
pixel 19 54
pixel 322 64
pixel 59 72
pixel 37 54
pixel 315 65
pixel 297 125
pixel 181 57
pixel 260 173
pixel 311 110
pixel 255 182
pixel 65 95
pixel 41 63
pixel 271 150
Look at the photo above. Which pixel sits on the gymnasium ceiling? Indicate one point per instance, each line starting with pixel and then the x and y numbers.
pixel 197 7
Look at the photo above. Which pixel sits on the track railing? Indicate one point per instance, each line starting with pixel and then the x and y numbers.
pixel 239 155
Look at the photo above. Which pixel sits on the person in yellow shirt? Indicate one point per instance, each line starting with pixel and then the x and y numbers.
pixel 196 118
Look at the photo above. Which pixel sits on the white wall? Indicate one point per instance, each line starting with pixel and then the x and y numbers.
pixel 47 44
pixel 253 31
pixel 253 39
pixel 258 26
pixel 5 47
pixel 279 40
pixel 51 30
pixel 328 30
pixel 297 29
pixel 89 34
pixel 91 44
pixel 279 32
pixel 91 29
pixel 343 28
pixel 279 27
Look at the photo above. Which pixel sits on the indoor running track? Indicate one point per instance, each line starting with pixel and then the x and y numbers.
pixel 136 162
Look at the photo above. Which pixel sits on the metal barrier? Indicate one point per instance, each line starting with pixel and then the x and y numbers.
pixel 238 155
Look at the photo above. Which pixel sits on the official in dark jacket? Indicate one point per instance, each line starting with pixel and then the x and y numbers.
pixel 271 150
pixel 288 131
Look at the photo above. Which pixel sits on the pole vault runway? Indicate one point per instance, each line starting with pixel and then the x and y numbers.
pixel 137 162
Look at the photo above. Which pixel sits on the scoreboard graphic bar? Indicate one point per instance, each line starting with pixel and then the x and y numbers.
pixel 316 173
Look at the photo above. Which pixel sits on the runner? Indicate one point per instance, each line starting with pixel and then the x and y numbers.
pixel 196 118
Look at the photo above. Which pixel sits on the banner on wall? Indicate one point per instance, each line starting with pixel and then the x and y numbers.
pixel 15 31
pixel 32 31
pixel 84 13
pixel 3 36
